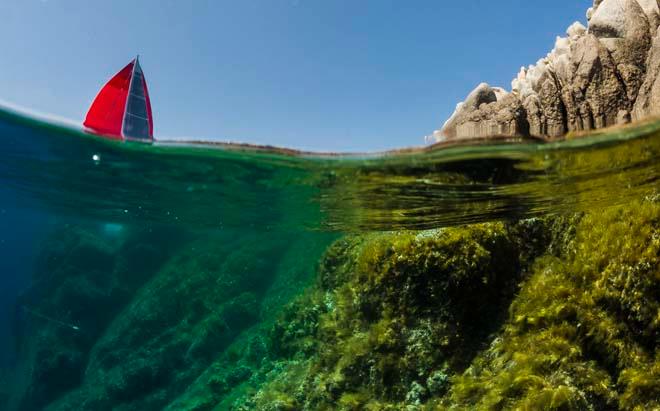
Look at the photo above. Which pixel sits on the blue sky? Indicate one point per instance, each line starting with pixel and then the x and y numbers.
pixel 314 74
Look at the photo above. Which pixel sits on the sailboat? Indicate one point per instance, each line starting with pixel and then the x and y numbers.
pixel 122 109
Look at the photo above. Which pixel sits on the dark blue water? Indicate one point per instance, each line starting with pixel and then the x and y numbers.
pixel 21 231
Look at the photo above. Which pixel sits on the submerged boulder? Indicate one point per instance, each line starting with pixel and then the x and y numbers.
pixel 83 278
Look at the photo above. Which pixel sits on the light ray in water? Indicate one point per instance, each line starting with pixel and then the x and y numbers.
pixel 50 319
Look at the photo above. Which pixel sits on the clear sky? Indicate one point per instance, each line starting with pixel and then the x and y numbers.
pixel 312 74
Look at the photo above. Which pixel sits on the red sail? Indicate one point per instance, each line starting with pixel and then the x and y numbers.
pixel 106 115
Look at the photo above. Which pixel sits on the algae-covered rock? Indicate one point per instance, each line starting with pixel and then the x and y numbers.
pixel 177 324
pixel 83 278
pixel 394 314
pixel 583 332
pixel 558 313
pixel 124 319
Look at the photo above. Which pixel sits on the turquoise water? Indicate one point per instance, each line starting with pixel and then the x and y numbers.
pixel 131 271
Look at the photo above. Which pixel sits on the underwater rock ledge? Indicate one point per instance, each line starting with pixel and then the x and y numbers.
pixel 595 77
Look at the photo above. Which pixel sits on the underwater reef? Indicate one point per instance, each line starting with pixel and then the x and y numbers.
pixel 559 312
pixel 131 318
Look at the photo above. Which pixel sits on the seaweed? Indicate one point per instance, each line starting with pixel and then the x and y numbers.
pixel 583 331
pixel 554 313
pixel 559 312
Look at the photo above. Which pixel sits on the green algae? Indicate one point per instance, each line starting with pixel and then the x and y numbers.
pixel 480 317
pixel 394 313
pixel 583 332
pixel 554 313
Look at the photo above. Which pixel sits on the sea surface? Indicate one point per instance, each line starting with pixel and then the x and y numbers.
pixel 107 248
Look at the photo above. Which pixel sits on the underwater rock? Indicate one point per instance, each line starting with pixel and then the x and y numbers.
pixel 583 331
pixel 394 314
pixel 593 78
pixel 163 320
pixel 557 313
pixel 544 313
pixel 83 278
pixel 185 316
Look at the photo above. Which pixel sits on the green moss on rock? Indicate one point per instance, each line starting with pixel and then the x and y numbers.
pixel 558 313
pixel 583 332
pixel 394 313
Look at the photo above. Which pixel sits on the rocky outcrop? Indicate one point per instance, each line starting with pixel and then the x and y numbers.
pixel 649 94
pixel 594 77
pixel 486 111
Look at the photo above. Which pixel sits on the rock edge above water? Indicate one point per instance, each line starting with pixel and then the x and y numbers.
pixel 598 76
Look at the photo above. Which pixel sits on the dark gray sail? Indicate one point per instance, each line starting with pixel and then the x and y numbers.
pixel 136 117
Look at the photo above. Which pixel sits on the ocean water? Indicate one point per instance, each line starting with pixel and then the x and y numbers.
pixel 154 276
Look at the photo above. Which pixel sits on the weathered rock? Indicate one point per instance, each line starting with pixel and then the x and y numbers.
pixel 487 111
pixel 483 94
pixel 594 94
pixel 623 27
pixel 504 117
pixel 616 18
pixel 576 29
pixel 546 112
pixel 648 102
pixel 652 10
pixel 591 79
